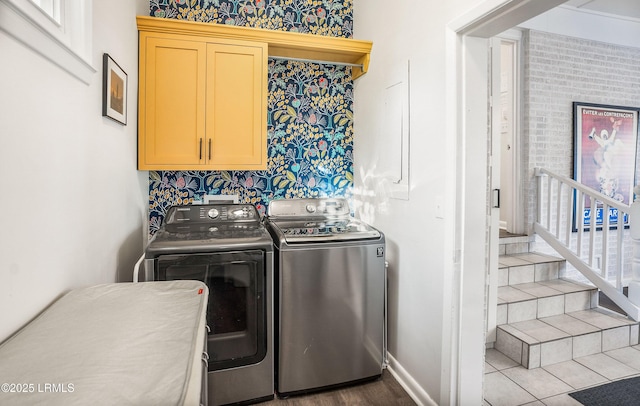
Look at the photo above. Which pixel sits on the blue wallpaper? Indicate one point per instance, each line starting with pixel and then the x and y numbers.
pixel 320 17
pixel 310 119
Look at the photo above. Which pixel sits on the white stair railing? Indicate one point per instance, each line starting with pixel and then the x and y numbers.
pixel 590 230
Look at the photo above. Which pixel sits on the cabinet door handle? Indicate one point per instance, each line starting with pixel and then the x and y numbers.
pixel 209 148
pixel 200 151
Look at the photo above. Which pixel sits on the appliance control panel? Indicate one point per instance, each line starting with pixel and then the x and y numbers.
pixel 212 213
pixel 319 207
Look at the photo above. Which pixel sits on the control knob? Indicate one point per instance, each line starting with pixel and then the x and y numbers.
pixel 311 208
pixel 213 213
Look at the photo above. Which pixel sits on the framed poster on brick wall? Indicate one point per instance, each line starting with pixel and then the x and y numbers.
pixel 605 139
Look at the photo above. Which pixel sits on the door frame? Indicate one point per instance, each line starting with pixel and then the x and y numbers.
pixel 467 40
pixel 515 216
pixel 494 199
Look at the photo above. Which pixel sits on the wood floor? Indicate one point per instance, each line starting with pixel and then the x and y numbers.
pixel 382 392
pixel 505 234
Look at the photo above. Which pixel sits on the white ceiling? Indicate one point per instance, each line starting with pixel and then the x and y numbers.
pixel 626 8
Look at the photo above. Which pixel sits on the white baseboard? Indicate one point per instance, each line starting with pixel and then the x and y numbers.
pixel 417 393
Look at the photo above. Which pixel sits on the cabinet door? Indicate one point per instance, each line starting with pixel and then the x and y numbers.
pixel 171 132
pixel 236 124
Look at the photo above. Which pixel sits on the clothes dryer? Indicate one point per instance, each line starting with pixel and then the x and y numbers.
pixel 228 248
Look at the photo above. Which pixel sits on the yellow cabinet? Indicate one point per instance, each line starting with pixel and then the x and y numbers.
pixel 202 103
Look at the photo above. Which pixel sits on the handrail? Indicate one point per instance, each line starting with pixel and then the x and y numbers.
pixel 564 200
pixel 584 189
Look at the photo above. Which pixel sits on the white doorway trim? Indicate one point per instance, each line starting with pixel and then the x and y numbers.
pixel 467 42
pixel 510 130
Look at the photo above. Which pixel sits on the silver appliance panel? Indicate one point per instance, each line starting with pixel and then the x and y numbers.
pixel 317 220
pixel 316 230
pixel 212 213
pixel 334 207
pixel 331 312
pixel 331 302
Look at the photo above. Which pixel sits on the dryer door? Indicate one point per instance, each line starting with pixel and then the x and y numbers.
pixel 236 315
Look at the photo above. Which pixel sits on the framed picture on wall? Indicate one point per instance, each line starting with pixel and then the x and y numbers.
pixel 605 139
pixel 114 90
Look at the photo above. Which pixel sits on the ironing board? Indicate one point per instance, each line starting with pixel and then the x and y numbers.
pixel 111 344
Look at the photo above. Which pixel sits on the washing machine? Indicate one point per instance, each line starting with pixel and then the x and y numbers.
pixel 330 289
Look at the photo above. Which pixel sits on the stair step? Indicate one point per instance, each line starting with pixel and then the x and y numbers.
pixel 528 267
pixel 549 340
pixel 528 301
pixel 514 244
pixel 544 319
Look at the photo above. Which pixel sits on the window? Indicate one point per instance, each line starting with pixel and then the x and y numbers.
pixel 59 30
pixel 50 7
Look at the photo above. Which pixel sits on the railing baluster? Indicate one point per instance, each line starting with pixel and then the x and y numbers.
pixel 606 223
pixel 558 208
pixel 602 241
pixel 570 204
pixel 619 241
pixel 634 238
pixel 592 229
pixel 540 178
pixel 549 203
pixel 580 223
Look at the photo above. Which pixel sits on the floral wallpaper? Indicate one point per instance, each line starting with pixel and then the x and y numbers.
pixel 309 117
pixel 320 17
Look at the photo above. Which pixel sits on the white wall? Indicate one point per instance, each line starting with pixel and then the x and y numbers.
pixel 73 205
pixel 584 56
pixel 437 258
pixel 419 243
pixel 587 24
pixel 560 70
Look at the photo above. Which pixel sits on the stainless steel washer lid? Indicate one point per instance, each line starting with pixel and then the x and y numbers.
pixel 329 230
pixel 316 220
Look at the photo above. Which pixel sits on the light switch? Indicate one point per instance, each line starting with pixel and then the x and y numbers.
pixel 439 207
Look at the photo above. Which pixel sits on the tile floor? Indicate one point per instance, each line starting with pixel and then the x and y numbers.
pixel 543 310
pixel 509 384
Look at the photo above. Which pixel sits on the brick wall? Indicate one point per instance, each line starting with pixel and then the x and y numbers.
pixel 559 70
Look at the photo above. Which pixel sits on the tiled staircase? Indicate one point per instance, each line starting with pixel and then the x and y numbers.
pixel 544 319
